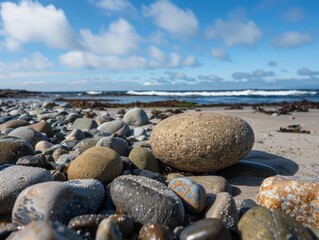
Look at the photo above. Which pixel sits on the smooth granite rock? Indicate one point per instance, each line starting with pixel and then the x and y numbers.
pixel 84 124
pixel 43 127
pixel 11 149
pixel 296 196
pixel 147 201
pixel 144 159
pixel 136 117
pixel 119 145
pixel 261 223
pixel 117 126
pixel 28 134
pixel 14 123
pixel 14 179
pixel 201 141
pixel 100 163
pixel 57 201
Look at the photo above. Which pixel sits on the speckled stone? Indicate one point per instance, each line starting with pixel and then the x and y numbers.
pixel 201 141
pixel 144 159
pixel 13 124
pixel 296 196
pixel 43 127
pixel 191 193
pixel 147 201
pixel 155 231
pixel 213 184
pixel 84 124
pixel 206 229
pixel 58 201
pixel 28 134
pixel 108 229
pixel 119 145
pixel 100 163
pixel 261 223
pixel 40 230
pixel 11 149
pixel 14 179
pixel 223 208
pixel 117 126
pixel 136 117
pixel 125 224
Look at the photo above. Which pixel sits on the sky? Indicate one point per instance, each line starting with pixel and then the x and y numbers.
pixel 106 45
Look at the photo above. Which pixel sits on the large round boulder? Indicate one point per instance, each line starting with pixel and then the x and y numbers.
pixel 136 117
pixel 100 163
pixel 201 141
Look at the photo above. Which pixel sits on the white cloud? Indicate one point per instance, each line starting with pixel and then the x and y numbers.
pixel 157 54
pixel 307 72
pixel 176 21
pixel 235 31
pixel 292 39
pixel 120 39
pixel 255 75
pixel 35 62
pixel 78 59
pixel 293 14
pixel 30 21
pixel 209 78
pixel 115 5
pixel 189 61
pixel 220 53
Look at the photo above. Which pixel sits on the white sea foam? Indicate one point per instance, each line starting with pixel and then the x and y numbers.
pixel 93 92
pixel 225 93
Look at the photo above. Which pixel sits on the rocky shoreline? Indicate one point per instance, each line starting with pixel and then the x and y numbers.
pixel 86 172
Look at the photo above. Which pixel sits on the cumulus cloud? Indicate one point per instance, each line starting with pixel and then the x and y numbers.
pixel 255 75
pixel 220 54
pixel 210 78
pixel 35 62
pixel 30 21
pixel 307 72
pixel 272 64
pixel 293 14
pixel 292 39
pixel 119 39
pixel 115 5
pixel 236 30
pixel 178 22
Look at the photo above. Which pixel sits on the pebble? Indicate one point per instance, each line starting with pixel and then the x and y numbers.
pixel 296 196
pixel 137 132
pixel 144 159
pixel 33 161
pixel 223 207
pixel 147 201
pixel 116 126
pixel 57 201
pixel 13 124
pixel 11 149
pixel 119 145
pixel 28 134
pixel 87 143
pixel 14 179
pixel 42 145
pixel 155 231
pixel 43 127
pixel 108 229
pixel 206 229
pixel 261 223
pixel 84 124
pixel 201 141
pixel 213 184
pixel 126 224
pixel 191 193
pixel 136 117
pixel 100 163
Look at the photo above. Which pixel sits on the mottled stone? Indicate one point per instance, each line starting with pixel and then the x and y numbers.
pixel 119 145
pixel 296 196
pixel 117 126
pixel 136 117
pixel 43 127
pixel 11 149
pixel 13 124
pixel 261 223
pixel 14 179
pixel 100 163
pixel 57 201
pixel 156 231
pixel 144 159
pixel 28 134
pixel 223 208
pixel 191 193
pixel 84 124
pixel 213 184
pixel 201 141
pixel 206 229
pixel 48 230
pixel 147 201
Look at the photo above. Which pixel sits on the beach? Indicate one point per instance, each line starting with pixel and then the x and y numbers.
pixel 66 141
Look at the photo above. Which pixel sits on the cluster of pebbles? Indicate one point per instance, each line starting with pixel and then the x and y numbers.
pixel 70 173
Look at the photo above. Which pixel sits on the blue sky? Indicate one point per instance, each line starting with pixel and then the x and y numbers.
pixel 158 45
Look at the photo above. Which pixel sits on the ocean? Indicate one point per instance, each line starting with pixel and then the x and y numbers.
pixel 249 96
